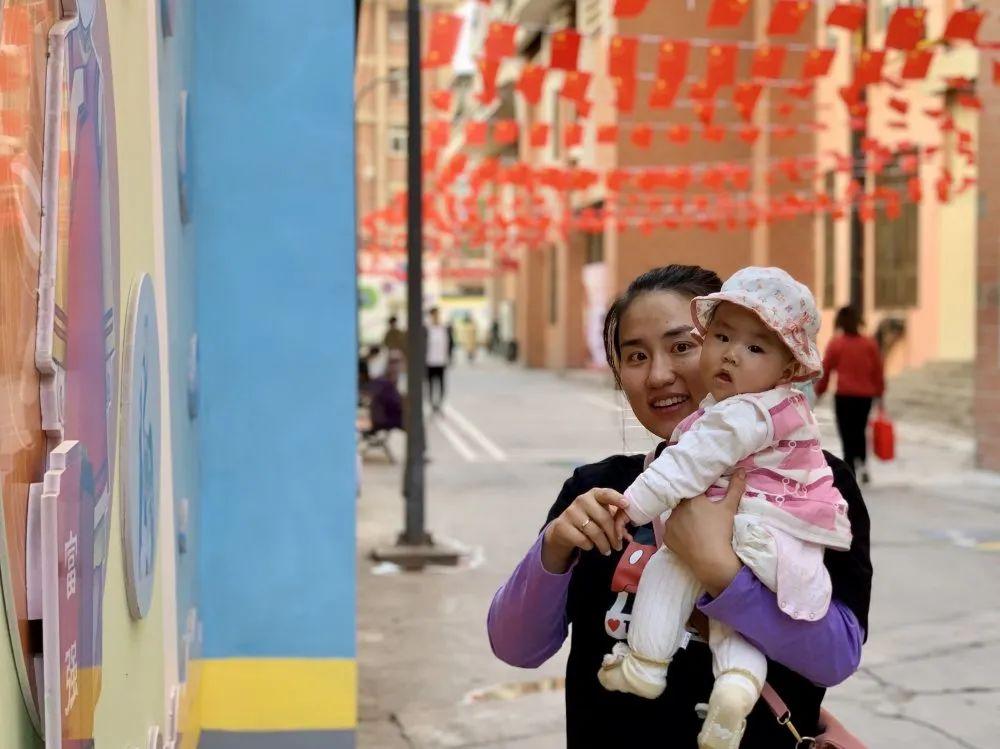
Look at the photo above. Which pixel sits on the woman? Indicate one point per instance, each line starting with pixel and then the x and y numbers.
pixel 856 360
pixel 577 574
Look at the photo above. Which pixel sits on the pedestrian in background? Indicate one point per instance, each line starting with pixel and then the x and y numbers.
pixel 856 360
pixel 440 344
pixel 468 335
pixel 394 339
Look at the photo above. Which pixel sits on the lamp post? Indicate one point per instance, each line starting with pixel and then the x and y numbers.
pixel 859 172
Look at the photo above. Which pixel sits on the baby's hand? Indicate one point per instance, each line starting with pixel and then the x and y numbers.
pixel 621 521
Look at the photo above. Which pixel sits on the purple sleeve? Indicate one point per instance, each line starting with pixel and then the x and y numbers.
pixel 527 623
pixel 825 651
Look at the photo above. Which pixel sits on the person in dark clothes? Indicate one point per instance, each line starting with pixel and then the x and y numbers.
pixel 860 379
pixel 578 578
pixel 440 347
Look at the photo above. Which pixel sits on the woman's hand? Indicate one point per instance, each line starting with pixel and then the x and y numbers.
pixel 587 523
pixel 700 532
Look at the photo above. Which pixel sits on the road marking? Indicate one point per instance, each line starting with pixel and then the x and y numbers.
pixel 461 447
pixel 597 400
pixel 485 442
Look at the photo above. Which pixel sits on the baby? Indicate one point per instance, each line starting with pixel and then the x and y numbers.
pixel 759 337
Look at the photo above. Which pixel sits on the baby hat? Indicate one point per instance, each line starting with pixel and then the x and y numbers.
pixel 783 304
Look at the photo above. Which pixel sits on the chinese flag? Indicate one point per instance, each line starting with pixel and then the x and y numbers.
pixel 607 134
pixel 629 8
pixel 429 161
pixel 817 63
pixel 801 91
pixel 750 134
pixel 616 179
pixel 442 40
pixel 575 86
pixel 787 17
pixel 900 105
pixel 500 41
pixel 16 26
pixel 441 100
pixel 784 110
pixel 505 131
pixel 918 62
pixel 475 133
pixel 663 93
pixel 672 61
pixel 583 108
pixel 622 56
pixel 564 49
pixel 914 190
pixel 745 97
pixel 727 12
pixel 625 94
pixel 530 83
pixel 437 133
pixel 721 70
pixel 713 133
pixel 906 28
pixel 768 62
pixel 847 16
pixel 539 136
pixel 969 101
pixel 488 70
pixel 679 134
pixel 869 67
pixel 642 136
pixel 572 135
pixel 963 24
pixel 705 110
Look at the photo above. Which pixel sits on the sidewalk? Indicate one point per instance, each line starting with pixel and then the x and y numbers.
pixel 429 680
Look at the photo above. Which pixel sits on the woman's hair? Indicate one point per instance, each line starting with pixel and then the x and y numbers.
pixel 686 280
pixel 847 320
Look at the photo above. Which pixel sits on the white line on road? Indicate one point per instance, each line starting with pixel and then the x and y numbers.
pixel 461 447
pixel 485 442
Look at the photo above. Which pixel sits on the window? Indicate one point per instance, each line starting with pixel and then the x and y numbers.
pixel 829 246
pixel 397 139
pixel 896 247
pixel 397 26
pixel 396 80
pixel 594 247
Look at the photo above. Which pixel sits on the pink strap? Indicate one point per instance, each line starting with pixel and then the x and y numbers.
pixel 777 705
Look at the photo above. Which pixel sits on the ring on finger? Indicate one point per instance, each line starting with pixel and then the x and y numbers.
pixel 585 524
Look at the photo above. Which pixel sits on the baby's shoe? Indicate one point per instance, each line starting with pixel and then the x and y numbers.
pixel 733 697
pixel 625 671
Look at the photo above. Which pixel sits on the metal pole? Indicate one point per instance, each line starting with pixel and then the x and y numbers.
pixel 413 479
pixel 859 173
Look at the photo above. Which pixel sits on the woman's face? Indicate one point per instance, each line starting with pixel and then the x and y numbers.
pixel 659 360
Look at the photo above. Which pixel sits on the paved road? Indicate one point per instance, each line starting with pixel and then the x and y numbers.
pixel 500 453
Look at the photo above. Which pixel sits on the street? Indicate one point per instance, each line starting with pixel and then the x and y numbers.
pixel 499 453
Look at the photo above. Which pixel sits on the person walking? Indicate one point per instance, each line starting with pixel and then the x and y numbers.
pixel 468 335
pixel 856 360
pixel 440 345
pixel 579 579
pixel 394 339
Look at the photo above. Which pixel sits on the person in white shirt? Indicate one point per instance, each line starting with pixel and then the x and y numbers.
pixel 440 344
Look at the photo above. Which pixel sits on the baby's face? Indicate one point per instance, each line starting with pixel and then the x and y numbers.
pixel 742 355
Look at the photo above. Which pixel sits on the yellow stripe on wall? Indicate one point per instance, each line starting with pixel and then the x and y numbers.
pixel 278 694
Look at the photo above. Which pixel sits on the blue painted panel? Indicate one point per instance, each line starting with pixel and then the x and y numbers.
pixel 273 203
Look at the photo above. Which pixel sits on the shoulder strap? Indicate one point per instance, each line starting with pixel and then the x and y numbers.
pixel 784 716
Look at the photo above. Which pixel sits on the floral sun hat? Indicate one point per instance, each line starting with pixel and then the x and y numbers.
pixel 783 304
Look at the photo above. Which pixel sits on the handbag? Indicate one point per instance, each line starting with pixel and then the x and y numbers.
pixel 832 733
pixel 883 436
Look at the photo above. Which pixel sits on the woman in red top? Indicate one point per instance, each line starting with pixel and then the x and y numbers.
pixel 858 364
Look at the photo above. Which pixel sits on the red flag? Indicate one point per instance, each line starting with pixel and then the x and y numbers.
pixel 616 179
pixel 914 190
pixel 705 110
pixel 622 56
pixel 499 41
pixel 539 137
pixel 564 49
pixel 817 63
pixel 607 134
pixel 642 136
pixel 663 93
pixel 672 60
pixel 488 70
pixel 963 24
pixel 869 67
pixel 749 134
pixel 721 69
pixel 787 17
pixel 847 16
pixel 767 62
pixel 801 91
pixel 745 97
pixel 906 28
pixel 740 177
pixel 784 110
pixel 475 133
pixel 900 105
pixel 713 133
pixel 572 135
pixel 437 133
pixel 441 100
pixel 530 83
pixel 575 86
pixel 969 101
pixel 583 109
pixel 918 62
pixel 628 8
pixel 727 12
pixel 505 131
pixel 625 94
pixel 996 71
pixel 442 39
pixel 679 134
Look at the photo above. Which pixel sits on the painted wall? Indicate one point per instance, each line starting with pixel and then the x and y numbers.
pixel 273 204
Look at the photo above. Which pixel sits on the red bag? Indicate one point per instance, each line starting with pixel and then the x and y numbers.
pixel 883 436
